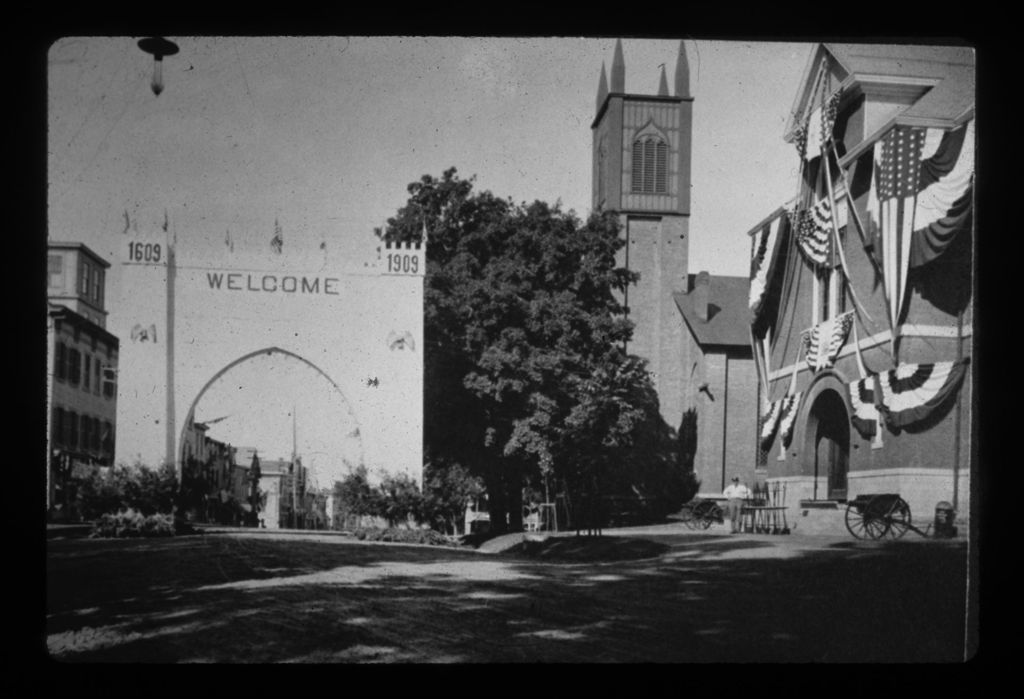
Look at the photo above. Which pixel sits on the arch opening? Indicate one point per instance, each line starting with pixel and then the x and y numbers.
pixel 280 406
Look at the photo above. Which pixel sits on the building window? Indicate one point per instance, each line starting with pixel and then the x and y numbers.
pixel 74 367
pixel 84 285
pixel 109 381
pixel 57 428
pixel 96 437
pixel 650 165
pixel 97 376
pixel 85 434
pixel 97 286
pixel 62 361
pixel 107 439
pixel 55 268
pixel 72 440
pixel 87 373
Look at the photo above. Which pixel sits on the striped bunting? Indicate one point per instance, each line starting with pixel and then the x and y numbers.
pixel 764 250
pixel 823 342
pixel 791 404
pixel 771 424
pixel 813 231
pixel 865 416
pixel 911 392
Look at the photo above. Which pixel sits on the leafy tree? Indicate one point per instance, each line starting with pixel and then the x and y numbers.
pixel 525 370
pixel 354 497
pixel 399 499
pixel 447 489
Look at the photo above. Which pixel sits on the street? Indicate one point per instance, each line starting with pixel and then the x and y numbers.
pixel 660 594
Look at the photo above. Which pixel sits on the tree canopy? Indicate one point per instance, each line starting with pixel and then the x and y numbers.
pixel 525 368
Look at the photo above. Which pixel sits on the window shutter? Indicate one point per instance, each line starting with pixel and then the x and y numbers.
pixel 649 165
pixel 638 166
pixel 661 167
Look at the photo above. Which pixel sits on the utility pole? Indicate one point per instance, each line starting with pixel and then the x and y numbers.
pixel 295 468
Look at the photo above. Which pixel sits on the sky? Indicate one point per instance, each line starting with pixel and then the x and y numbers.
pixel 323 135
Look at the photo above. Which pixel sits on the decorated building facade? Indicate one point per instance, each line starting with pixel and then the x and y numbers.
pixel 691 328
pixel 861 295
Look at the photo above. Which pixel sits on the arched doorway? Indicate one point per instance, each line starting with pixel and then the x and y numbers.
pixel 829 427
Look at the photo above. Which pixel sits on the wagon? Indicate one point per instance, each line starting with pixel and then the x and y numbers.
pixel 701 514
pixel 878 516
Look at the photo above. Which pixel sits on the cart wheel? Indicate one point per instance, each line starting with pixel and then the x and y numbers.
pixel 689 517
pixel 899 519
pixel 712 515
pixel 876 517
pixel 855 522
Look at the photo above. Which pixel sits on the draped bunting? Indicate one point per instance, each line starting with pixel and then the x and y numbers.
pixel 790 405
pixel 823 342
pixel 771 424
pixel 911 392
pixel 815 132
pixel 765 242
pixel 864 395
pixel 813 229
pixel 944 202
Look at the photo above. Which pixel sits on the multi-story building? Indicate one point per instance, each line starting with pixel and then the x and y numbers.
pixel 206 471
pixel 692 329
pixel 861 287
pixel 81 377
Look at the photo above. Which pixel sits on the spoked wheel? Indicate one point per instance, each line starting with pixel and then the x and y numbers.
pixel 855 522
pixel 689 517
pixel 714 514
pixel 708 512
pixel 877 521
pixel 898 519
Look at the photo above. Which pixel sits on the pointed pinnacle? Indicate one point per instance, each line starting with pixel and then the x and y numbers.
pixel 682 73
pixel 663 83
pixel 618 69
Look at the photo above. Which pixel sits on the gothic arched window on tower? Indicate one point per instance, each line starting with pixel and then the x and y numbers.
pixel 650 165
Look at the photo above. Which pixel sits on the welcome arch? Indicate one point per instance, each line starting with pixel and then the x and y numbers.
pixel 215 308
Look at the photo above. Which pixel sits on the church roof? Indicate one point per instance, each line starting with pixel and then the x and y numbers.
pixel 946 74
pixel 951 66
pixel 728 320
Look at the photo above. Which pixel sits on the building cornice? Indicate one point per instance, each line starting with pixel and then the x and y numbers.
pixel 629 97
pixel 65 314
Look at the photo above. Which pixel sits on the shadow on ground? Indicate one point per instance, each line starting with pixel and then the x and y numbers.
pixel 221 598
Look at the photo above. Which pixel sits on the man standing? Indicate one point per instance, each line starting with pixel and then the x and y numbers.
pixel 735 494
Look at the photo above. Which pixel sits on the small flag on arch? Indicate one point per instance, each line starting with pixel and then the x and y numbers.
pixel 277 242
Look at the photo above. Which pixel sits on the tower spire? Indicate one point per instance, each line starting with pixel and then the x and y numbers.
pixel 663 83
pixel 602 88
pixel 682 72
pixel 618 69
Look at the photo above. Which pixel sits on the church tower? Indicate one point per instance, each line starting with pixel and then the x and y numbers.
pixel 641 157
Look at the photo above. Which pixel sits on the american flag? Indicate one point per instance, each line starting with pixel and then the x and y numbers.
pixel 898 163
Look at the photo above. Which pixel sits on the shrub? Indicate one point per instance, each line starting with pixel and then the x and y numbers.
pixel 123 487
pixel 402 535
pixel 132 523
